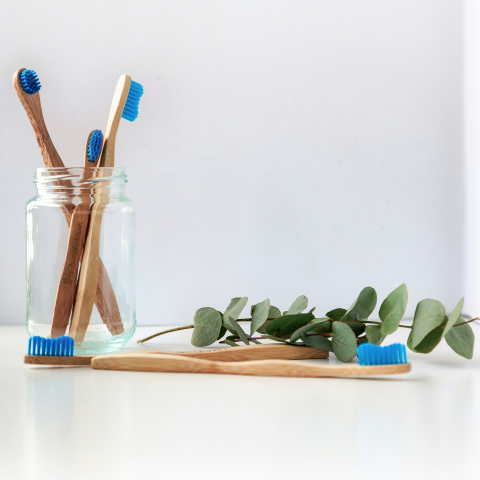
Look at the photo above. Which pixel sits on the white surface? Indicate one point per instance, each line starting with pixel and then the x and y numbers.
pixel 78 423
pixel 283 147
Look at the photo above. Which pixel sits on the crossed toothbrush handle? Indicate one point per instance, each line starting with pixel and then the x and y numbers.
pixel 105 299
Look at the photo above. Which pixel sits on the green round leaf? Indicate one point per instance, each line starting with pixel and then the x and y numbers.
pixel 223 331
pixel 274 312
pixel 324 327
pixel 429 314
pixel 336 314
pixel 357 327
pixel 307 328
pixel 287 324
pixel 461 339
pixel 364 305
pixel 259 315
pixel 233 310
pixel 298 306
pixel 392 310
pixel 454 316
pixel 208 323
pixel 374 335
pixel 321 343
pixel 344 342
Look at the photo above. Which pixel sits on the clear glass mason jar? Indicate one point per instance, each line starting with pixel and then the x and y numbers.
pixel 80 258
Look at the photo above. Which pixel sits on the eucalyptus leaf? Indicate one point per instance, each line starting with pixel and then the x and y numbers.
pixel 392 310
pixel 336 314
pixel 364 305
pixel 287 324
pixel 255 341
pixel 454 316
pixel 274 312
pixel 374 335
pixel 263 329
pixel 461 339
pixel 344 342
pixel 298 306
pixel 233 310
pixel 430 341
pixel 324 327
pixel 207 324
pixel 232 344
pixel 429 314
pixel 357 327
pixel 319 342
pixel 259 315
pixel 306 328
pixel 312 310
pixel 223 331
pixel 239 330
pixel 362 340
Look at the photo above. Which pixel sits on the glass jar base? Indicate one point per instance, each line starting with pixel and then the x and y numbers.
pixel 98 340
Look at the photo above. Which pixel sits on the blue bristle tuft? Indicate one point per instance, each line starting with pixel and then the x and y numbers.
pixel 369 354
pixel 30 82
pixel 51 347
pixel 95 146
pixel 130 111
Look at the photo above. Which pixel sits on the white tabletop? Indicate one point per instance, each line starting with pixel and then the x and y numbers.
pixel 79 423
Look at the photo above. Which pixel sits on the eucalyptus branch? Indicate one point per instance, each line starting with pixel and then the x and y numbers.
pixel 339 330
pixel 164 332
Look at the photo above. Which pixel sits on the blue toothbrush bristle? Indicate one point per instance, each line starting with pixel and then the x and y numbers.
pixel 95 146
pixel 30 82
pixel 130 111
pixel 51 347
pixel 369 354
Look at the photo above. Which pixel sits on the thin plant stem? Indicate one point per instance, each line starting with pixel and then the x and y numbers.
pixel 164 332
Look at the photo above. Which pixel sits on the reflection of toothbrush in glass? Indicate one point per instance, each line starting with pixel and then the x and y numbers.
pixel 76 239
pixel 124 104
pixel 27 86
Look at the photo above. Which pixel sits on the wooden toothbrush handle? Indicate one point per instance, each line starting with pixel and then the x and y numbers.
pixel 88 279
pixel 68 279
pixel 105 299
pixel 270 368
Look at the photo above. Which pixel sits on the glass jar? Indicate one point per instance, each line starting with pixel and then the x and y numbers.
pixel 80 258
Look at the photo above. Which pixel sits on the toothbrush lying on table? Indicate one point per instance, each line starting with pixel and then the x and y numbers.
pixel 76 239
pixel 27 86
pixel 266 360
pixel 373 360
pixel 124 104
pixel 41 351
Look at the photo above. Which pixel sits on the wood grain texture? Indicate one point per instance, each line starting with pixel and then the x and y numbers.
pixel 88 279
pixel 105 299
pixel 269 368
pixel 119 99
pixel 238 354
pixel 66 361
pixel 68 279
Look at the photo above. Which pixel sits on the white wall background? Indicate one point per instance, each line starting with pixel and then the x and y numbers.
pixel 282 148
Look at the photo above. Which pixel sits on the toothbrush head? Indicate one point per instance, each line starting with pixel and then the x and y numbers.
pixel 30 82
pixel 94 146
pixel 130 111
pixel 369 354
pixel 51 347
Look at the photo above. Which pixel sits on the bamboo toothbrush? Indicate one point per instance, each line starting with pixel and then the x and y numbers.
pixel 27 86
pixel 124 104
pixel 41 353
pixel 389 360
pixel 76 239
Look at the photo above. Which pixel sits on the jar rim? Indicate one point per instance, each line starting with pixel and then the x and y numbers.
pixel 83 177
